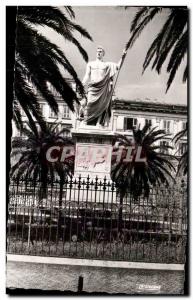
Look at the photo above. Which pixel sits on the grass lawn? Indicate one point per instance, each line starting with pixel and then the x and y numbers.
pixel 133 250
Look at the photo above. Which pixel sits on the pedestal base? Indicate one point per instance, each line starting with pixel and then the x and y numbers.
pixel 93 152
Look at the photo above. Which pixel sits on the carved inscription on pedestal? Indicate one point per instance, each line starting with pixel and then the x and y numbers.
pixel 93 158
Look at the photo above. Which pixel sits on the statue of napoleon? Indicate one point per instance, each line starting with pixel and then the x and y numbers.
pixel 96 108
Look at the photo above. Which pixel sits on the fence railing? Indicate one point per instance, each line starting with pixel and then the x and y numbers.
pixel 86 218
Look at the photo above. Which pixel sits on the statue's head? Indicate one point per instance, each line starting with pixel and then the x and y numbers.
pixel 100 52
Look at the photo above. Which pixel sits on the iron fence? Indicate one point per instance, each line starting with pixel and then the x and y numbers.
pixel 85 218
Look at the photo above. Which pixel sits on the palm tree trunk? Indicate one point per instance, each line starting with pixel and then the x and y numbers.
pixel 43 184
pixel 42 193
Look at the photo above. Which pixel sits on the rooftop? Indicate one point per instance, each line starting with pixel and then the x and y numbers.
pixel 149 105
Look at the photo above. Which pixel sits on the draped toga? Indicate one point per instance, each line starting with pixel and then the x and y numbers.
pixel 99 96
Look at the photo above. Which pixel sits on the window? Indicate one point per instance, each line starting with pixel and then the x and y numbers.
pixel 54 126
pixel 52 114
pixel 163 147
pixel 130 123
pixel 184 126
pixel 22 113
pixel 73 86
pixel 66 112
pixel 42 108
pixel 148 122
pixel 21 133
pixel 167 126
pixel 65 133
pixel 182 148
pixel 57 129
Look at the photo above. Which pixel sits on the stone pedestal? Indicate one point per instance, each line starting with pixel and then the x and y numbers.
pixel 93 152
pixel 93 160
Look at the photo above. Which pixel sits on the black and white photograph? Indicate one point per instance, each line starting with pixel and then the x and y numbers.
pixel 97 159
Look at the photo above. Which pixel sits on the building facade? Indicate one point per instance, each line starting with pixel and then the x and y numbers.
pixel 126 115
pixel 129 114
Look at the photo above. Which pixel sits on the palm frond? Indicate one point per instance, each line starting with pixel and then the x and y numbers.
pixel 177 56
pixel 180 135
pixel 139 15
pixel 172 37
pixel 38 60
pixel 33 158
pixel 136 176
pixel 138 28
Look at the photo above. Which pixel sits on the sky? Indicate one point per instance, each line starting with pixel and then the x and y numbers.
pixel 110 27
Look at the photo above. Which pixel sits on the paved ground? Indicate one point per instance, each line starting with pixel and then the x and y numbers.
pixel 109 280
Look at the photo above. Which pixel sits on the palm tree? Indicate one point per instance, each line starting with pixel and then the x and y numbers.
pixel 39 63
pixel 136 177
pixel 171 41
pixel 183 160
pixel 33 163
pixel 31 160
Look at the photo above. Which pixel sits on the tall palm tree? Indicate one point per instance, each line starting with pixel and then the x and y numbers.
pixel 183 160
pixel 39 62
pixel 171 41
pixel 136 177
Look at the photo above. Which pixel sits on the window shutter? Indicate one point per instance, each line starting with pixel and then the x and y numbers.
pixel 125 123
pixel 168 126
